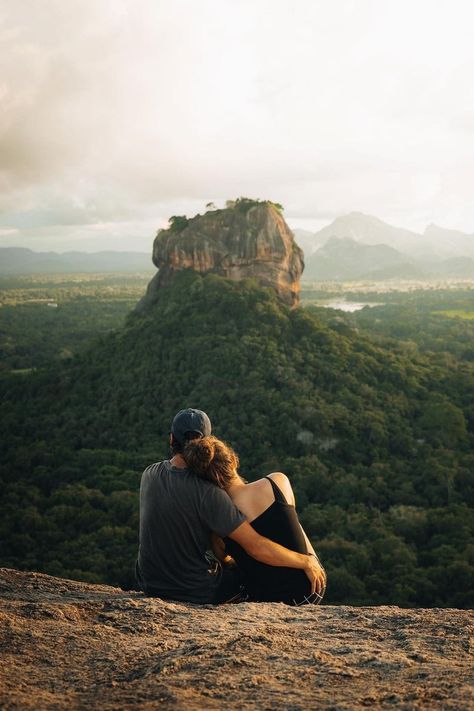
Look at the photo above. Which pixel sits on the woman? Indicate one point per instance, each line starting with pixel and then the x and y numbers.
pixel 269 505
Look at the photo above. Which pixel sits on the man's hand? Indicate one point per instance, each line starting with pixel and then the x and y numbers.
pixel 316 574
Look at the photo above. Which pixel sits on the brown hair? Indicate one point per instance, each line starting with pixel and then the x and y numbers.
pixel 211 459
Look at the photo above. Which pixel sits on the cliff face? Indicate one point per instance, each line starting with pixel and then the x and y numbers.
pixel 236 243
pixel 66 644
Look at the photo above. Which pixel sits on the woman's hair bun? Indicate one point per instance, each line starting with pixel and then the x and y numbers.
pixel 199 454
pixel 211 459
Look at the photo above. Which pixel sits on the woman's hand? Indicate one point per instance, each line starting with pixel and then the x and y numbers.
pixel 218 547
pixel 229 562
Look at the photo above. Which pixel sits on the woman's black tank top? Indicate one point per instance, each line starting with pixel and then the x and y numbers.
pixel 279 522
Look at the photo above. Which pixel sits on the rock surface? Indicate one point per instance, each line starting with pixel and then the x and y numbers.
pixel 236 243
pixel 70 645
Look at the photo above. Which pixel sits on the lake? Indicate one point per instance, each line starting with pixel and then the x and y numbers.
pixel 349 306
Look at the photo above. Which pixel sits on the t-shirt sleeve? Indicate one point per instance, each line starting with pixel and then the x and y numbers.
pixel 219 513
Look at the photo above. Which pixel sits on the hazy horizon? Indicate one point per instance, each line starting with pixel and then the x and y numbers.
pixel 116 116
pixel 42 246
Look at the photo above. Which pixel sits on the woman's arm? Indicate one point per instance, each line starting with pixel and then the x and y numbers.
pixel 284 484
pixel 312 552
pixel 309 547
pixel 218 548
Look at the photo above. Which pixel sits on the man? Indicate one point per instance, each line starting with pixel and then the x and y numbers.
pixel 178 513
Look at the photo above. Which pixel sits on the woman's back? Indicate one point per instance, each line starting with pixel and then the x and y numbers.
pixel 277 521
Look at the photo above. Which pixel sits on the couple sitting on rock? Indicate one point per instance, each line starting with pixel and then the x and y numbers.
pixel 196 501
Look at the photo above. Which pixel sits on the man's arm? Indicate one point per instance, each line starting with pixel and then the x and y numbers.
pixel 271 553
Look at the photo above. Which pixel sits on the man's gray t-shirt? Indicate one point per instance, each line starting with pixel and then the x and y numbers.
pixel 178 511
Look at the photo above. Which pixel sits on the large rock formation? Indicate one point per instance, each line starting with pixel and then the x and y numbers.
pixel 248 239
pixel 70 645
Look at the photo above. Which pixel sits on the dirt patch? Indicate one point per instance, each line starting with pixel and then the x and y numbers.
pixel 69 645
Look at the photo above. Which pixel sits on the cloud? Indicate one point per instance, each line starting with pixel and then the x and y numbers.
pixel 123 113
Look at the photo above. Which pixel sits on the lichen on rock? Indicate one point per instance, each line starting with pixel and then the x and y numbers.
pixel 249 239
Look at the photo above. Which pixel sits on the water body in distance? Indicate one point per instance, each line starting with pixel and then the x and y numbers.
pixel 349 306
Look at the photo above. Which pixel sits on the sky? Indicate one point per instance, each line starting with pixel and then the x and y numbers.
pixel 116 114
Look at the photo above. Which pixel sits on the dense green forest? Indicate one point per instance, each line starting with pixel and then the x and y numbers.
pixel 427 320
pixel 368 413
pixel 45 319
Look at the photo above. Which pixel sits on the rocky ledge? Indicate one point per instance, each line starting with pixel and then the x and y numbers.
pixel 71 645
pixel 248 239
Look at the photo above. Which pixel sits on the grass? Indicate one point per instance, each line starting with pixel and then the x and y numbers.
pixel 456 313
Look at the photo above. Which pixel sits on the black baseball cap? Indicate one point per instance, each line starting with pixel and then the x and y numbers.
pixel 190 420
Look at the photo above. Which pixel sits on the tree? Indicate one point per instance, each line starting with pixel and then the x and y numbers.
pixel 443 422
pixel 178 223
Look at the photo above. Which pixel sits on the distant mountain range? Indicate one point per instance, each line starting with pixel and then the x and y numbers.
pixel 354 246
pixel 343 259
pixel 358 246
pixel 18 260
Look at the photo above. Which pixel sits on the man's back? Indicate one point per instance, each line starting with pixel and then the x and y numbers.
pixel 178 510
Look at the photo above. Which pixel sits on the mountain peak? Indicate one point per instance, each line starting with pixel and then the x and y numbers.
pixel 249 238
